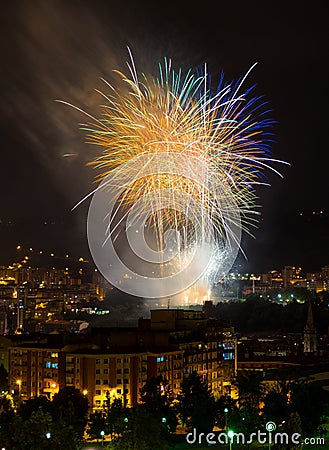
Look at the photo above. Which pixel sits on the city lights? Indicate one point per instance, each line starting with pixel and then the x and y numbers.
pixel 164 269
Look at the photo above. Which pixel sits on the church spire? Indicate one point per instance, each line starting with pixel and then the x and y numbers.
pixel 310 340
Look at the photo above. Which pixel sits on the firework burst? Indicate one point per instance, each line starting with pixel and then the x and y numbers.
pixel 179 115
pixel 203 147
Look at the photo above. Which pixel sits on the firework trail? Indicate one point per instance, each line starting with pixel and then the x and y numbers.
pixel 185 159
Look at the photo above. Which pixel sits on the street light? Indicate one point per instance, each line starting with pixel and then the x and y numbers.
pixel 163 420
pixel 225 411
pixel 19 382
pixel 48 435
pixel 230 434
pixel 270 426
pixel 102 434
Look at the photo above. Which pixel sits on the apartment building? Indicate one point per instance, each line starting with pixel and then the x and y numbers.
pixel 33 370
pixel 116 362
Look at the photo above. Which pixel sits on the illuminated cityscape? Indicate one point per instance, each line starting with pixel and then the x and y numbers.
pixel 207 172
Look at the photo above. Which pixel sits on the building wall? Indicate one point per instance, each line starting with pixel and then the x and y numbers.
pixel 103 375
pixel 121 372
pixel 33 371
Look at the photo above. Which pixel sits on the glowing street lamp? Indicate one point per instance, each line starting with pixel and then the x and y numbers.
pixel 19 383
pixel 230 434
pixel 225 411
pixel 48 435
pixel 270 426
pixel 102 434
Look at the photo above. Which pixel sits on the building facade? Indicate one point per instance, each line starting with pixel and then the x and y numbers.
pixel 116 362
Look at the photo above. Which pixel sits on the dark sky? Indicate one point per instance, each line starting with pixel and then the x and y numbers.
pixel 60 49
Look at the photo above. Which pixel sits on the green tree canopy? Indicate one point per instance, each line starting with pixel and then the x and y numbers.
pixel 157 398
pixel 196 404
pixel 143 432
pixel 250 388
pixel 310 401
pixel 72 406
pixel 96 424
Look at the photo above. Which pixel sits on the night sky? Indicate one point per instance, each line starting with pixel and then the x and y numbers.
pixel 60 49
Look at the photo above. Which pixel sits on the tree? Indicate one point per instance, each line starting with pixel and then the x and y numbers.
pixel 225 402
pixel 115 414
pixel 27 407
pixel 154 392
pixel 6 404
pixel 31 433
pixel 3 378
pixel 37 425
pixel 96 424
pixel 246 420
pixel 63 436
pixel 290 428
pixel 250 388
pixel 157 398
pixel 143 432
pixel 7 417
pixel 276 407
pixel 310 401
pixel 72 407
pixel 294 425
pixel 196 404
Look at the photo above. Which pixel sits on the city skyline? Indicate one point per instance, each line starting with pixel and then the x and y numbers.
pixel 207 341
pixel 53 234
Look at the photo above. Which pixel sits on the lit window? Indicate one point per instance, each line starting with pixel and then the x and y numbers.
pixel 228 345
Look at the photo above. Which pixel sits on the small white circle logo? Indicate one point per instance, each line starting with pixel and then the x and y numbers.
pixel 270 426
